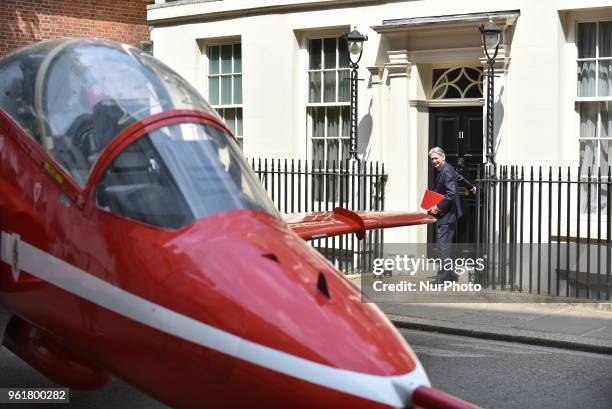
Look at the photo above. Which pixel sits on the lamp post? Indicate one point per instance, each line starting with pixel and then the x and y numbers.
pixel 491 37
pixel 354 41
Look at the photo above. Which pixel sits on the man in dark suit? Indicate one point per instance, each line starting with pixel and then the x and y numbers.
pixel 448 210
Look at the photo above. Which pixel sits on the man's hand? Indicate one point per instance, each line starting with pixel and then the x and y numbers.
pixel 434 210
pixel 473 190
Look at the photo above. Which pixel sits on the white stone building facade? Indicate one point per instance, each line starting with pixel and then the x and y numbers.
pixel 277 73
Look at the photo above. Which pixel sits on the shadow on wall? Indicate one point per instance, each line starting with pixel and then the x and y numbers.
pixel 364 132
pixel 498 109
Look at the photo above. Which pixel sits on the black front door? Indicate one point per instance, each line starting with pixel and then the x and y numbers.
pixel 459 132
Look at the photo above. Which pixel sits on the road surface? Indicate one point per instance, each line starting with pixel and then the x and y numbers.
pixel 491 374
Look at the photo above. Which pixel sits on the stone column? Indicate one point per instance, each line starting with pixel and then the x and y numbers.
pixel 374 150
pixel 418 147
pixel 398 145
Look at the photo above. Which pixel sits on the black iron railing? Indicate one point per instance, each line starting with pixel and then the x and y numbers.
pixel 546 230
pixel 300 186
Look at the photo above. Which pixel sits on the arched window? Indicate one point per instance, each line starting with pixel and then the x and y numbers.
pixel 458 82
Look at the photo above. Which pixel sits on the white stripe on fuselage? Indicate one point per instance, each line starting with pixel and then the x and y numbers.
pixel 389 390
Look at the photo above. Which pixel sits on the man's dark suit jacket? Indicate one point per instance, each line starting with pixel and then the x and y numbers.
pixel 446 184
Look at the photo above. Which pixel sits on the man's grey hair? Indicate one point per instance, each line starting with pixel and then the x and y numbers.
pixel 438 151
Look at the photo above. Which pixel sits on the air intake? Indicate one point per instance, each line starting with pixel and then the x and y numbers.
pixel 322 285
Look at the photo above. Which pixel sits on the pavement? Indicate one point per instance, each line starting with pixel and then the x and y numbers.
pixel 582 327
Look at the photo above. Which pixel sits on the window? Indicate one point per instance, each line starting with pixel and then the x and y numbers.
pixel 594 91
pixel 225 85
pixel 459 82
pixel 328 99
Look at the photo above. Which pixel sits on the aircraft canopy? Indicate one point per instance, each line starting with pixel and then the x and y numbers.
pixel 73 96
pixel 177 174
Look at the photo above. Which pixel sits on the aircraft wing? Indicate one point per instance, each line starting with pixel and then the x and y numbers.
pixel 319 225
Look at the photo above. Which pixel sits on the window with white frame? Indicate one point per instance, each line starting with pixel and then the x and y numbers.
pixel 328 99
pixel 594 91
pixel 225 85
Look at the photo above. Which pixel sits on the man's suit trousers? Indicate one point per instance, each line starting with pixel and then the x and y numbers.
pixel 445 237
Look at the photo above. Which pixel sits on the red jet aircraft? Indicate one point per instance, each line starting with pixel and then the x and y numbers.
pixel 137 242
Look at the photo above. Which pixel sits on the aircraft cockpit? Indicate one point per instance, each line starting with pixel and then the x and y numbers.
pixel 179 173
pixel 74 96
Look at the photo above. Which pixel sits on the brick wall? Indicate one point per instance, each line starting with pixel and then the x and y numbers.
pixel 26 21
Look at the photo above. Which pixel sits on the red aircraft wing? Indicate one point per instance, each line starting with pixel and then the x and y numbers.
pixel 318 225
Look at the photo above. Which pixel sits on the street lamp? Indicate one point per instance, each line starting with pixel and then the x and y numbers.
pixel 491 37
pixel 354 41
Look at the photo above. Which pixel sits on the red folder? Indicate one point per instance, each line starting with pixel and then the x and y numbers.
pixel 430 199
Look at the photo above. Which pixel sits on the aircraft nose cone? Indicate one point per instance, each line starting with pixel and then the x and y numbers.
pixel 304 330
pixel 313 323
pixel 306 322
